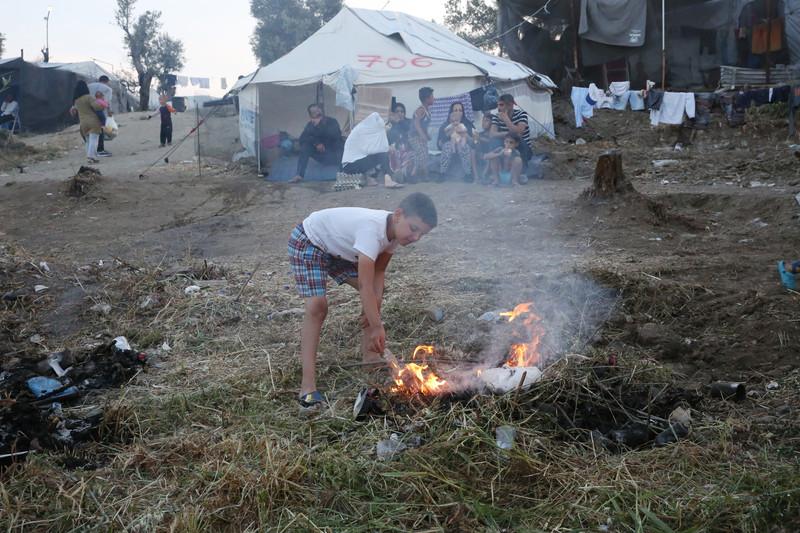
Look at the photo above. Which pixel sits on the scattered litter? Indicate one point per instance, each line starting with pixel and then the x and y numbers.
pixel 664 182
pixel 165 347
pixel 506 379
pixel 288 312
pixel 44 266
pixel 146 302
pixel 102 308
pixel 661 163
pixel 773 385
pixel 579 141
pixel 49 388
pixel 679 415
pixel 191 289
pixel 728 390
pixel 490 316
pixel 40 288
pixel 121 343
pixel 388 448
pixel 505 437
pixel 435 313
pixel 673 433
pixel 797 198
pixel 755 184
pixel 632 435
pixel 757 222
pixel 36 339
pixel 679 147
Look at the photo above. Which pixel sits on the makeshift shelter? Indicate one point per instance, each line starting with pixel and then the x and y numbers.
pixel 89 71
pixel 361 60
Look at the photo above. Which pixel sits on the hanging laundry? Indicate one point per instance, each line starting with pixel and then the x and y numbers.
pixel 779 94
pixel 583 109
pixel 673 108
pixel 620 102
pixel 601 99
pixel 619 88
pixel 653 99
pixel 636 100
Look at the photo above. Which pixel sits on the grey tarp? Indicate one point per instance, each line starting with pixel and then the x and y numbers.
pixel 792 29
pixel 614 22
pixel 44 94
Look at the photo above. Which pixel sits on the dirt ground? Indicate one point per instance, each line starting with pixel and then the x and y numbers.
pixel 692 270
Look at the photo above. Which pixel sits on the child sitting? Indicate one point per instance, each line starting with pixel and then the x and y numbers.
pixel 352 245
pixel 506 162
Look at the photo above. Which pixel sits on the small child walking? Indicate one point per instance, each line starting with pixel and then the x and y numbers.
pixel 165 110
pixel 352 245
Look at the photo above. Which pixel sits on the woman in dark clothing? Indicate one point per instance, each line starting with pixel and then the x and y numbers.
pixel 455 142
pixel 444 135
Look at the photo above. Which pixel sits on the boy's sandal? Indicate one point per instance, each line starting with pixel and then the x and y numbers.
pixel 312 399
pixel 787 278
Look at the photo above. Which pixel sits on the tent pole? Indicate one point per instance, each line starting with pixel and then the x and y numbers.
pixel 197 132
pixel 663 47
pixel 767 66
pixel 258 130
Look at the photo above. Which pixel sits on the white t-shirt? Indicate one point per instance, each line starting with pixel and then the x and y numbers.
pixel 367 138
pixel 348 232
pixel 9 108
pixel 103 88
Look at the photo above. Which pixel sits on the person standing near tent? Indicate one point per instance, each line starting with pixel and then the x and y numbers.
pixel 418 136
pixel 91 129
pixel 511 119
pixel 102 85
pixel 321 140
pixel 9 111
pixel 400 155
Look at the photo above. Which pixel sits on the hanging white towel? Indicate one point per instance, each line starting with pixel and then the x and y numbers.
pixel 673 107
pixel 619 88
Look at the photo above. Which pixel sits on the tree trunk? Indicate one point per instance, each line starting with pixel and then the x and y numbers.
pixel 609 180
pixel 144 91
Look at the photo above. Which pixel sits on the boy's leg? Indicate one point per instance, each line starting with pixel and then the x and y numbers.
pixel 169 133
pixel 162 135
pixel 316 309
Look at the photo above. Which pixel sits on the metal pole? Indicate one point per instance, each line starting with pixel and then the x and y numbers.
pixel 663 47
pixel 197 133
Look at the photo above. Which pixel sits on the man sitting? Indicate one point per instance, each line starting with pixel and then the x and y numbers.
pixel 8 112
pixel 515 121
pixel 321 139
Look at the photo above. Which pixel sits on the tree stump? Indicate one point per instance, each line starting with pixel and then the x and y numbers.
pixel 609 180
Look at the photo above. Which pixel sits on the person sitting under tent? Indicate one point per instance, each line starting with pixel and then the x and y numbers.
pixel 321 140
pixel 511 119
pixel 9 111
pixel 418 136
pixel 455 142
pixel 367 149
pixel 401 157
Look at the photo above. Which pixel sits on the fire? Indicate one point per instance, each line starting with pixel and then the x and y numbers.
pixel 525 353
pixel 414 378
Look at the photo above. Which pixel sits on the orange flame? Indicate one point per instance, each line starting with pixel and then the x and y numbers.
pixel 414 378
pixel 525 354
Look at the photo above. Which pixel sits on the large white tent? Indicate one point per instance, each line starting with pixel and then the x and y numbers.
pixel 365 49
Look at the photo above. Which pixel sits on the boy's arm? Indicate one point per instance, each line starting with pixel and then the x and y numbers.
pixel 380 276
pixel 369 303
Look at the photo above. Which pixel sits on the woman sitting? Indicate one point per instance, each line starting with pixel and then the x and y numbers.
pixel 454 141
pixel 401 157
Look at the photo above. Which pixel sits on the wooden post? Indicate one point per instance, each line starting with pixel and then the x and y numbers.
pixel 663 47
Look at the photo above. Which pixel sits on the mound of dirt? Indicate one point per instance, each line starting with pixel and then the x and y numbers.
pixel 83 182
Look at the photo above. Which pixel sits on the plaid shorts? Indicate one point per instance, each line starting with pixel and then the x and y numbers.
pixel 311 266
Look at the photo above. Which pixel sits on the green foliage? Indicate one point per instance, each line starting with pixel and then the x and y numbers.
pixel 152 52
pixel 283 24
pixel 475 21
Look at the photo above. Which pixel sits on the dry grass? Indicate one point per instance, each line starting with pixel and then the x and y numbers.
pixel 210 439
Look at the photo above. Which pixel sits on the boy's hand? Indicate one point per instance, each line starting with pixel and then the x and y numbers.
pixel 376 338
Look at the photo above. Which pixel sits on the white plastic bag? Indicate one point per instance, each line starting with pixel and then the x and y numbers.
pixel 111 129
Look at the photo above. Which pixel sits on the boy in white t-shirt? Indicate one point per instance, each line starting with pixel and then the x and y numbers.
pixel 352 245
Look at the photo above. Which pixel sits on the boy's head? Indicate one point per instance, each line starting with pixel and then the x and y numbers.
pixel 162 99
pixel 486 122
pixel 413 218
pixel 510 141
pixel 426 96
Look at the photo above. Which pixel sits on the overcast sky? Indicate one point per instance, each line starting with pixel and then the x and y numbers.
pixel 215 35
